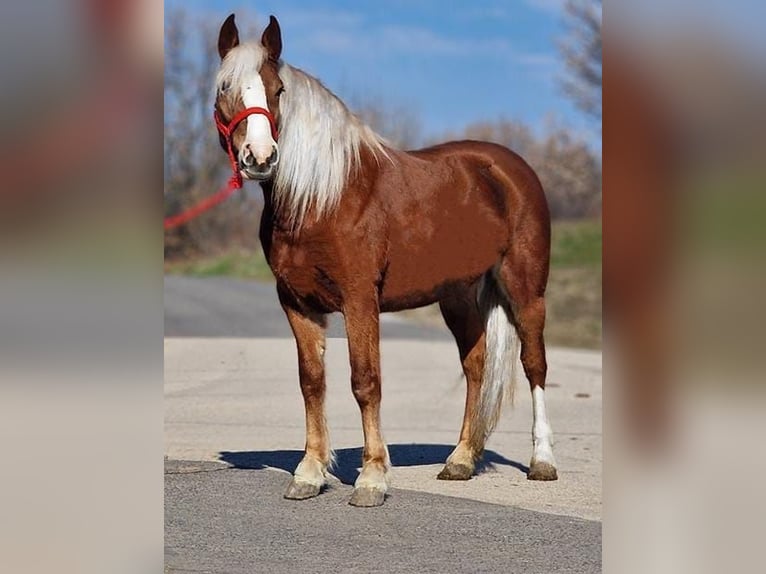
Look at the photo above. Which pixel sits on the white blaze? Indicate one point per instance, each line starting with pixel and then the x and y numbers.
pixel 258 127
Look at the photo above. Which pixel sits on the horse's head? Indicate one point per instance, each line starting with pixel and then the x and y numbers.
pixel 247 99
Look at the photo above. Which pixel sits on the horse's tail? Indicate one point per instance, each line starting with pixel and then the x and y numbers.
pixel 500 359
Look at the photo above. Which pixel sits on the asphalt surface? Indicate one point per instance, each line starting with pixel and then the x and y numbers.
pixel 237 521
pixel 234 431
pixel 223 307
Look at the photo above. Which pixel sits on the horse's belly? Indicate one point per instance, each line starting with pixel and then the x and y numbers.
pixel 402 301
pixel 414 283
pixel 442 249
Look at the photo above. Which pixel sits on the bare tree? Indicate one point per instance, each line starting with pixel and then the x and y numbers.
pixel 195 165
pixel 582 53
pixel 570 174
pixel 510 133
pixel 399 125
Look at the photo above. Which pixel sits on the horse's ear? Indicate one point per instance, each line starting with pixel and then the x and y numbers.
pixel 272 39
pixel 228 38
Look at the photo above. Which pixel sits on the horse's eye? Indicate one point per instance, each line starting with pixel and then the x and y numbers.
pixel 224 87
pixel 280 91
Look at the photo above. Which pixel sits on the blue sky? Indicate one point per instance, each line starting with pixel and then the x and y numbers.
pixel 450 62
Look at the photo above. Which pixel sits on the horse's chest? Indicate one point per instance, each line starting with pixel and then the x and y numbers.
pixel 305 271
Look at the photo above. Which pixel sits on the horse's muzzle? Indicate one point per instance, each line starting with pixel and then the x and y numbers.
pixel 251 168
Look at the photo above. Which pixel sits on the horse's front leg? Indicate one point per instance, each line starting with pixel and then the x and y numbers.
pixel 362 327
pixel 311 474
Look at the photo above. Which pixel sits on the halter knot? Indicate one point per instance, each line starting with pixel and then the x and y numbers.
pixel 227 132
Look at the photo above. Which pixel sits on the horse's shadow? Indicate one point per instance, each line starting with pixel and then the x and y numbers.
pixel 348 460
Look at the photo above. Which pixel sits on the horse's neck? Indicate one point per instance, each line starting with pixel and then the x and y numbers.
pixel 270 212
pixel 272 217
pixel 360 177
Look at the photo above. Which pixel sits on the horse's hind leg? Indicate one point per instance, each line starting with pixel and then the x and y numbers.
pixel 523 278
pixel 464 321
pixel 311 474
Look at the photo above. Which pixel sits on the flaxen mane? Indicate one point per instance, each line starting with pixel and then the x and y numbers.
pixel 320 140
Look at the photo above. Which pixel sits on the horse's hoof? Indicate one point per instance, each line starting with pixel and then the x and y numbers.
pixel 367 496
pixel 542 471
pixel 300 490
pixel 452 471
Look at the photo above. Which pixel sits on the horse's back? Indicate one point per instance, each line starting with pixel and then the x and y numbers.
pixel 475 149
pixel 451 211
pixel 513 181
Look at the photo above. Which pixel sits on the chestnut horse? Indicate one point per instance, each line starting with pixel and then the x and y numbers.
pixel 352 225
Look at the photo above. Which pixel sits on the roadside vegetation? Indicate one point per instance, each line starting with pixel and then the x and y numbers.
pixel 574 285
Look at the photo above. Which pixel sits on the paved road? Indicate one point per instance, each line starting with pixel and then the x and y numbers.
pixel 234 429
pixel 237 521
pixel 222 307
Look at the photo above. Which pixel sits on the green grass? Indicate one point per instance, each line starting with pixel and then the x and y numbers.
pixel 573 297
pixel 576 243
pixel 243 264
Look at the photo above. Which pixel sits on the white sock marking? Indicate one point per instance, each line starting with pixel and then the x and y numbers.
pixel 542 436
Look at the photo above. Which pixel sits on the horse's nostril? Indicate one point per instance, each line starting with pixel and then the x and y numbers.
pixel 262 165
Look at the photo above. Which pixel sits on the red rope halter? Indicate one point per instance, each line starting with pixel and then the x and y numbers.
pixel 235 181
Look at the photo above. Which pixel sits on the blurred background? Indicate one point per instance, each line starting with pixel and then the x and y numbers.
pixel 81 286
pixel 684 281
pixel 523 74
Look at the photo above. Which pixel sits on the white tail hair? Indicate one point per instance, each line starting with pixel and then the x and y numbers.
pixel 501 360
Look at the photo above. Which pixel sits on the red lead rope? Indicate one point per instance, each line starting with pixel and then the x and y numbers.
pixel 235 181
